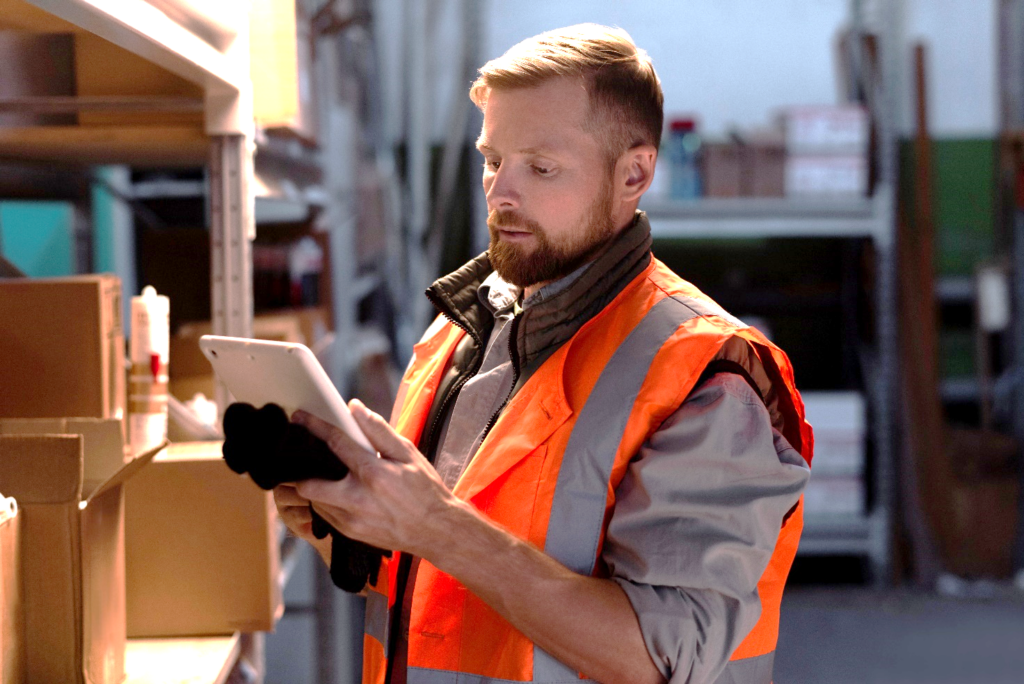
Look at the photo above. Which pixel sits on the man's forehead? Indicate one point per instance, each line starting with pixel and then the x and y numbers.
pixel 550 117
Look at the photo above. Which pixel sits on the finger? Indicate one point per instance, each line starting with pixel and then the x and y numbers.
pixel 381 435
pixel 331 492
pixel 344 447
pixel 288 495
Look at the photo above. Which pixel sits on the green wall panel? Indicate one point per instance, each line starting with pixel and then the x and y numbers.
pixel 38 237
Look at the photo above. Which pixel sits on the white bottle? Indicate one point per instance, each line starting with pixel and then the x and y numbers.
pixel 147 390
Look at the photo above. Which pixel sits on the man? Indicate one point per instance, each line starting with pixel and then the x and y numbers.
pixel 591 468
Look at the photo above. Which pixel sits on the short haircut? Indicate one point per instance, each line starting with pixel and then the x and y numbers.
pixel 626 102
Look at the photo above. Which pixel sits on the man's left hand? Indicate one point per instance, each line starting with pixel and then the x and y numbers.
pixel 394 501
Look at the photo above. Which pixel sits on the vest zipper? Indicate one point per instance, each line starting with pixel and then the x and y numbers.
pixel 432 434
pixel 514 357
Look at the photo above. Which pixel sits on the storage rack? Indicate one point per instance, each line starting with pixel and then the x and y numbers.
pixel 874 218
pixel 212 54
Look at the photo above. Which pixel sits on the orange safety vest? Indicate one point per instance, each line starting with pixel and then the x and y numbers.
pixel 549 468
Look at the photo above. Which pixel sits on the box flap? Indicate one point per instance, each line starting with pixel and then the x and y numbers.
pixel 125 472
pixel 103 441
pixel 41 469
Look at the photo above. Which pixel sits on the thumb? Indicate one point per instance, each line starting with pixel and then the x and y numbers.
pixel 381 435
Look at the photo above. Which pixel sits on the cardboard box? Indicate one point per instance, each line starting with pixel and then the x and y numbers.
pixel 834 495
pixel 72 559
pixel 840 426
pixel 827 130
pixel 755 169
pixel 826 176
pixel 104 442
pixel 203 554
pixel 12 617
pixel 62 348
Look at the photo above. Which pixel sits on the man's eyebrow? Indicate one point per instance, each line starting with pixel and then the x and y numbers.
pixel 483 146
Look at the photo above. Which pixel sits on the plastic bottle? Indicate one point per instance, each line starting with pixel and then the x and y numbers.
pixel 683 147
pixel 147 394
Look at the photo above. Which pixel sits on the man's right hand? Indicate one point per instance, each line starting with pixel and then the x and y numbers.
pixel 297 517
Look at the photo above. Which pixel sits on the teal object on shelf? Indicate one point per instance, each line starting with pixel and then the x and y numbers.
pixel 38 237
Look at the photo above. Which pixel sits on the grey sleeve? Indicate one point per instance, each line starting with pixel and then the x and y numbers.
pixel 696 519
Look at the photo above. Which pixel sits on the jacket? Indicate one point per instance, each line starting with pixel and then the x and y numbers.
pixel 553 457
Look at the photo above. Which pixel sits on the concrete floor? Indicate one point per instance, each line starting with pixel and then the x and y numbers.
pixel 828 635
pixel 861 636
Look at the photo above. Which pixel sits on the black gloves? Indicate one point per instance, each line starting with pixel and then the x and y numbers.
pixel 273 450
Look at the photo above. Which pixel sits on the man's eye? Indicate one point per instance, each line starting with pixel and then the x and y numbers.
pixel 492 164
pixel 542 170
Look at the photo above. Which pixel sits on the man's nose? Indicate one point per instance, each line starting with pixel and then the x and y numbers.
pixel 502 192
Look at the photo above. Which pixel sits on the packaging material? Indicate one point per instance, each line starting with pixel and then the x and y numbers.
pixel 827 130
pixel 722 170
pixel 839 422
pixel 753 169
pixel 202 548
pixel 73 569
pixel 62 347
pixel 834 495
pixel 147 399
pixel 836 486
pixel 104 446
pixel 826 176
pixel 12 616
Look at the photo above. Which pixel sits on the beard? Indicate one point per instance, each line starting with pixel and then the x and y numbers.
pixel 546 261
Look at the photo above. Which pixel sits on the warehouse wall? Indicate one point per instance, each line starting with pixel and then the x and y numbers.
pixel 733 62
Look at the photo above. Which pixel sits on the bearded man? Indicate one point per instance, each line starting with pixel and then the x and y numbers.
pixel 592 470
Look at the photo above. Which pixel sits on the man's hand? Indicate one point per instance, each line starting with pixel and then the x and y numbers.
pixel 398 501
pixel 295 513
pixel 394 501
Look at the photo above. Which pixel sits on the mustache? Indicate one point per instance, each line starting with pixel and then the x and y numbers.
pixel 508 219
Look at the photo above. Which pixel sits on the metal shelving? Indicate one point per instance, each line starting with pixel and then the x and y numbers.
pixel 772 218
pixel 868 535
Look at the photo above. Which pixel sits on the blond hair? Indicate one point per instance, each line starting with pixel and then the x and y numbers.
pixel 625 93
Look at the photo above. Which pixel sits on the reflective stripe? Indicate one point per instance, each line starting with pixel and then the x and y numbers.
pixel 577 509
pixel 378 617
pixel 757 670
pixel 709 308
pixel 422 675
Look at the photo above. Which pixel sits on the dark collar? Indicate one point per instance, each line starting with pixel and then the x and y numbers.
pixel 548 323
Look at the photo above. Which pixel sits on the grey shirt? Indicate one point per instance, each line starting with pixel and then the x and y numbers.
pixel 697 514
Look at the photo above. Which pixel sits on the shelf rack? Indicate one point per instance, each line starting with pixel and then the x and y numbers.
pixel 865 535
pixel 209 50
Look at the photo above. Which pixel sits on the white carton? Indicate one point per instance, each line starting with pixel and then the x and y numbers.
pixel 827 130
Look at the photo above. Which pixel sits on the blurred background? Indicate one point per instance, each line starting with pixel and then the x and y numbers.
pixel 845 175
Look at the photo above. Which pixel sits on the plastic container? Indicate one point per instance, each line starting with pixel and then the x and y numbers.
pixel 683 148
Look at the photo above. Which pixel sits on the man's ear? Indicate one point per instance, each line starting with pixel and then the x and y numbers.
pixel 636 171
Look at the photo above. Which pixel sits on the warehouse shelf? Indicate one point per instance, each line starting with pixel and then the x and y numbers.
pixel 158 145
pixel 141 28
pixel 832 534
pixel 770 217
pixel 870 218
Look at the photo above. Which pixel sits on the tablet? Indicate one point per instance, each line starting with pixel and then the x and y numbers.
pixel 259 372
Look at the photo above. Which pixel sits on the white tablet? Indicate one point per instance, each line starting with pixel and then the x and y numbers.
pixel 259 372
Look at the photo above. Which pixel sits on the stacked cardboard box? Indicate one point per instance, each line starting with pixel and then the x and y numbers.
pixel 72 544
pixel 753 167
pixel 826 151
pixel 836 486
pixel 62 347
pixel 202 548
